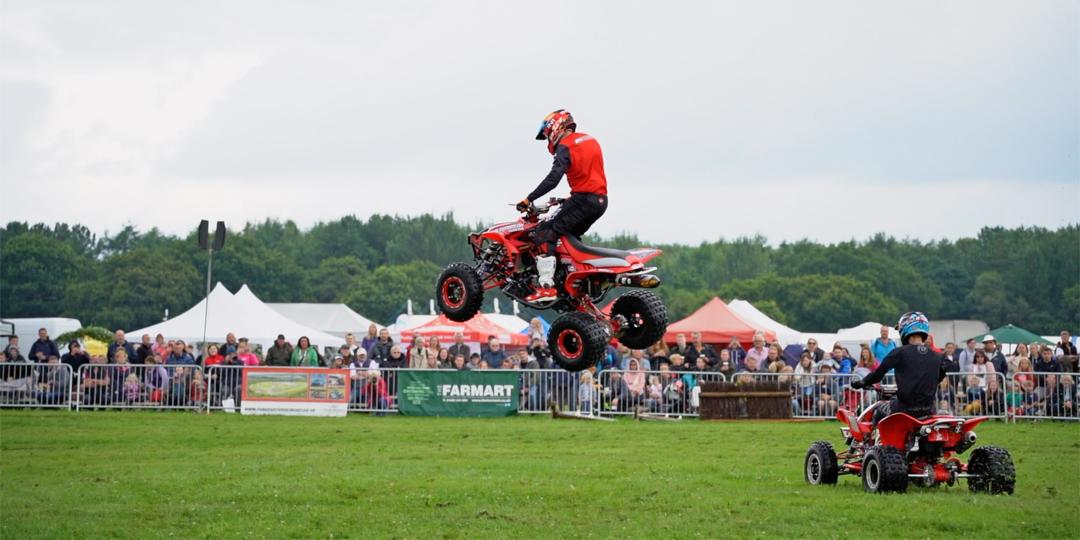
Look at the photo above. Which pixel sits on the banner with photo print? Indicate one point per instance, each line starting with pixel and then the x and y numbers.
pixel 295 391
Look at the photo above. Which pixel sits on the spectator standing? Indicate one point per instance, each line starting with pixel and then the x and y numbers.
pixel 144 350
pixel 536 329
pixel 494 355
pixel 775 360
pixel 304 354
pixel 460 364
pixel 659 353
pixel 681 348
pixel 844 364
pixel 371 337
pixel 882 346
pixel 380 348
pixel 1065 352
pixel 1045 362
pixel 638 355
pixel 699 348
pixel 736 353
pixel 244 354
pixel 351 343
pixel 950 360
pixel 396 359
pixel 156 378
pixel 179 355
pixel 417 353
pixel 758 352
pixel 280 353
pixel 982 368
pixel 539 352
pixel 443 360
pixel 43 348
pixel 816 353
pixel 119 342
pixel 995 356
pixel 726 366
pixel 230 346
pixel 213 357
pixel 967 356
pixel 161 348
pixel 13 355
pixel 75 357
pixel 459 346
pixel 1021 351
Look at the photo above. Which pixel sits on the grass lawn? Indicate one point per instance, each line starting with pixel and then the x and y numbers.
pixel 152 474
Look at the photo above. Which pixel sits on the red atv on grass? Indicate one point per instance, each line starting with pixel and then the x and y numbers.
pixel 906 449
pixel 505 258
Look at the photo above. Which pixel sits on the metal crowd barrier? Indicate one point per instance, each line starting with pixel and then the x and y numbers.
pixel 663 391
pixel 1030 395
pixel 141 386
pixel 35 385
pixel 1042 395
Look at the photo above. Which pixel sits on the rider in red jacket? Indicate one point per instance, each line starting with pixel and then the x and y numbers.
pixel 578 156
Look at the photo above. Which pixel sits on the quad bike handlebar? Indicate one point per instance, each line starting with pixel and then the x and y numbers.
pixel 536 210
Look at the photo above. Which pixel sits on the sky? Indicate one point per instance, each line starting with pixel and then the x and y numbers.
pixel 822 120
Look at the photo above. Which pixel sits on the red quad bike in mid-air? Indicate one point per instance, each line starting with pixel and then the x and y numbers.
pixel 908 449
pixel 505 258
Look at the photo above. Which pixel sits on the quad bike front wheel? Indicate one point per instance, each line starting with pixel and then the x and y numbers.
pixel 884 470
pixel 645 318
pixel 820 467
pixel 459 292
pixel 994 469
pixel 577 341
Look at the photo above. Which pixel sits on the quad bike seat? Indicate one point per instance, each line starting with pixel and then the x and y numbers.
pixel 593 250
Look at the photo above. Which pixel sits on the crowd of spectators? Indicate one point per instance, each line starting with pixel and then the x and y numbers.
pixel 661 378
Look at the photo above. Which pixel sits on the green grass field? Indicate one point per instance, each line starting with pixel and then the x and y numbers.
pixel 153 474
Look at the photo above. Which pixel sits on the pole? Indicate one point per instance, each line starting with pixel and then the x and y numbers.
pixel 206 312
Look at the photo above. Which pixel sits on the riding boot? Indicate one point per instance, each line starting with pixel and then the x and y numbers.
pixel 545 270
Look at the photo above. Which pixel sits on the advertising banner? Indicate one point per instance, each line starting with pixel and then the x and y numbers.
pixel 295 391
pixel 458 393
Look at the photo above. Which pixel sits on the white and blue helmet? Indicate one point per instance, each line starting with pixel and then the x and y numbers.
pixel 911 323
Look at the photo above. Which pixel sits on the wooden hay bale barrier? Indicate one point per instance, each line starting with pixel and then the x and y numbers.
pixel 735 400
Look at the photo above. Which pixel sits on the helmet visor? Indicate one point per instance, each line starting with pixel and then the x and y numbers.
pixel 540 130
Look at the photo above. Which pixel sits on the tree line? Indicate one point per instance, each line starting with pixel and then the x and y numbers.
pixel 1026 276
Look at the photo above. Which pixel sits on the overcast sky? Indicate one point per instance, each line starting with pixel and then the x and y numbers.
pixel 820 120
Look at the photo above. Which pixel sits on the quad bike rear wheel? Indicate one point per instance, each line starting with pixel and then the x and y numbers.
pixel 995 470
pixel 459 292
pixel 884 470
pixel 645 316
pixel 577 341
pixel 820 464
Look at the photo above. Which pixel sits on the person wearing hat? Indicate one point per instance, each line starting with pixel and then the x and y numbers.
pixel 280 353
pixel 918 371
pixel 1001 365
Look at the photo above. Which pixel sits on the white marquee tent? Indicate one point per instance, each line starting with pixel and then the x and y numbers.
pixel 784 334
pixel 864 333
pixel 242 314
pixel 334 319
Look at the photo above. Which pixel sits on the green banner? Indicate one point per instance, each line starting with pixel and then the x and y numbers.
pixel 458 393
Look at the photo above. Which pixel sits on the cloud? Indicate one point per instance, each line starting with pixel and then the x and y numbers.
pixel 706 111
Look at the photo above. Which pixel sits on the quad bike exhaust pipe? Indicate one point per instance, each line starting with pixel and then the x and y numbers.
pixel 645 281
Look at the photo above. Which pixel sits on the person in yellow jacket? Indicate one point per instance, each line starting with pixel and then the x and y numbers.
pixel 304 354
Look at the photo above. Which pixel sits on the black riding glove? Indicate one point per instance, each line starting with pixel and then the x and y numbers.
pixel 858 384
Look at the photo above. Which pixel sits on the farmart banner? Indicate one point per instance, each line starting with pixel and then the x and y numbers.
pixel 458 393
pixel 295 391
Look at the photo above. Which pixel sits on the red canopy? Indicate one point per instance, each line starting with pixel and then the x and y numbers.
pixel 717 324
pixel 475 330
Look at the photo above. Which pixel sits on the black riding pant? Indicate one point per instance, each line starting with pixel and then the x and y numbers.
pixel 895 406
pixel 575 216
